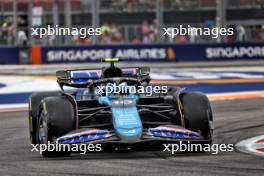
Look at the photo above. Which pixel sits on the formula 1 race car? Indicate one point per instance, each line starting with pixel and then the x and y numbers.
pixel 88 114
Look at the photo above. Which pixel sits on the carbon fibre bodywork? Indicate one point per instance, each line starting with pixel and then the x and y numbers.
pixel 122 119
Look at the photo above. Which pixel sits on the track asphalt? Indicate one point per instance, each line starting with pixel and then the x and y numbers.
pixel 235 120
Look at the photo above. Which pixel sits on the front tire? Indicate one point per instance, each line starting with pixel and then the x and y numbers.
pixel 197 113
pixel 34 103
pixel 56 118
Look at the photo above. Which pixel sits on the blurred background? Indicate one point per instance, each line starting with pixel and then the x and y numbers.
pixel 129 21
pixel 136 22
pixel 133 31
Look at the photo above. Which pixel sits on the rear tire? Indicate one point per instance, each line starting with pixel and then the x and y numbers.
pixel 197 113
pixel 56 119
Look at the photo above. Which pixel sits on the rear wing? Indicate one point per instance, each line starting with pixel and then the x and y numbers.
pixel 81 78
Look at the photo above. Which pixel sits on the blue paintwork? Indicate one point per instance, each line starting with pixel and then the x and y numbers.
pixel 82 74
pixel 173 134
pixel 104 100
pixel 94 75
pixel 79 138
pixel 126 120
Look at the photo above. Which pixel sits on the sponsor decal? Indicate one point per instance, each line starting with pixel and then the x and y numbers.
pixel 85 135
pixel 171 53
pixel 83 75
pixel 148 52
pixel 235 52
pixel 97 54
pixel 74 55
pixel 172 132
pixel 122 102
pixel 153 53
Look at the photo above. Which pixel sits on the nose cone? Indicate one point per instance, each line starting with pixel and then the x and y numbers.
pixel 127 123
pixel 130 135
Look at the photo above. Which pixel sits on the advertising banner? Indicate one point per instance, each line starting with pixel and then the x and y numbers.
pixel 151 53
pixel 9 55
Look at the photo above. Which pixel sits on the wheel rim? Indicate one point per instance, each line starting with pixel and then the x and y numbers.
pixel 42 129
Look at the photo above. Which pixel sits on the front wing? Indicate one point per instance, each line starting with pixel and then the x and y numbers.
pixel 150 137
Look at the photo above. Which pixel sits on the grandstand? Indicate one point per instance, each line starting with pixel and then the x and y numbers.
pixel 131 21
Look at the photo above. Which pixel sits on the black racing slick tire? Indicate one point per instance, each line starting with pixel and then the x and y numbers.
pixel 56 118
pixel 34 103
pixel 197 113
